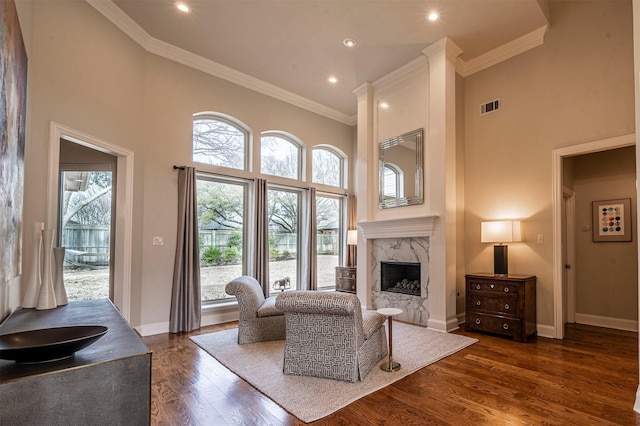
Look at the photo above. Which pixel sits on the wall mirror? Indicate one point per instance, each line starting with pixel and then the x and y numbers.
pixel 400 164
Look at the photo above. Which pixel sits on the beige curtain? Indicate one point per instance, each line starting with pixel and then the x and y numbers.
pixel 185 295
pixel 261 260
pixel 350 259
pixel 310 267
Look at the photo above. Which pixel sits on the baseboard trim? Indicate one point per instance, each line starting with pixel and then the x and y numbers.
pixel 210 316
pixel 608 322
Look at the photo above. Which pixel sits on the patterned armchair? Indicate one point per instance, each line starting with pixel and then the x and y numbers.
pixel 329 335
pixel 260 320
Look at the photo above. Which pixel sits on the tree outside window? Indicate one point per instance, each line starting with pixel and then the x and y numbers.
pixel 280 157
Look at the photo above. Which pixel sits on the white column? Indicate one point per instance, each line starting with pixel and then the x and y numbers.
pixel 441 182
pixel 365 195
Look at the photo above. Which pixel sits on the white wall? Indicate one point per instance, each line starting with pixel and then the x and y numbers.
pixel 87 75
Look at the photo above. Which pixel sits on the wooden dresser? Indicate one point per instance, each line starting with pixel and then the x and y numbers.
pixel 346 278
pixel 502 305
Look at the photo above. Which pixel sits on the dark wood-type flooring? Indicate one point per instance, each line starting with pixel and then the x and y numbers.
pixel 589 378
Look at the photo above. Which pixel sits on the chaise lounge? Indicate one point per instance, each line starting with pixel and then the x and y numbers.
pixel 259 320
pixel 329 335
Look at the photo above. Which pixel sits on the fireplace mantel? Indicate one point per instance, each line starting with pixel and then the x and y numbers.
pixel 399 228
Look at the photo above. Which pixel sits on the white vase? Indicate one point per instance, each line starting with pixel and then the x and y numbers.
pixel 58 277
pixel 47 296
pixel 35 278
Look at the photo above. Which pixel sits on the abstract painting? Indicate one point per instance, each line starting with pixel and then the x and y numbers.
pixel 13 103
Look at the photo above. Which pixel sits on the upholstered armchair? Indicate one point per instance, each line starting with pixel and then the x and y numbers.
pixel 329 335
pixel 259 319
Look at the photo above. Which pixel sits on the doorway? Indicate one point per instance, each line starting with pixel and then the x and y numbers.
pixel 121 249
pixel 560 292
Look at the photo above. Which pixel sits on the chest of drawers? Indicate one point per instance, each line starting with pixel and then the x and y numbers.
pixel 346 279
pixel 501 305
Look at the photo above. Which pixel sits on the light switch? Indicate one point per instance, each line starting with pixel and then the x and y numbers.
pixel 158 241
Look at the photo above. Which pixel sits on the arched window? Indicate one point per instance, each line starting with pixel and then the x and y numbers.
pixel 220 140
pixel 327 167
pixel 281 155
pixel 393 181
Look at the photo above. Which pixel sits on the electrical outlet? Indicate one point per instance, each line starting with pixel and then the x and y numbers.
pixel 158 241
pixel 540 239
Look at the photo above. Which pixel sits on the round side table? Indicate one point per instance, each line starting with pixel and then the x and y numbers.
pixel 390 313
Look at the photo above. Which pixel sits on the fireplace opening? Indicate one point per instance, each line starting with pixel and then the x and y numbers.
pixel 400 277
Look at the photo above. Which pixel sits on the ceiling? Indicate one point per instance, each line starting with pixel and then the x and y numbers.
pixel 296 45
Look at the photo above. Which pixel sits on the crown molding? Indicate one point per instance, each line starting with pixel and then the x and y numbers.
pixel 408 70
pixel 501 53
pixel 152 45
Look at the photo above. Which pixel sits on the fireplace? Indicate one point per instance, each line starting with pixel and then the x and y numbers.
pixel 400 277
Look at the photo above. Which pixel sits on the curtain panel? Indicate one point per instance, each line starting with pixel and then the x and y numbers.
pixel 186 305
pixel 261 261
pixel 310 267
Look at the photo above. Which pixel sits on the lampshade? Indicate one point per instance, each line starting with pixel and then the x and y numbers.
pixel 503 231
pixel 352 237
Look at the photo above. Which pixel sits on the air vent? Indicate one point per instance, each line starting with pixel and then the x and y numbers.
pixel 492 106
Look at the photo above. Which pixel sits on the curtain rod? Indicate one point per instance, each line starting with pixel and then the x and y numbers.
pixel 179 167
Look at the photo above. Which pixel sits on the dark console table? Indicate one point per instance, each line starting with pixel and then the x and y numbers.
pixel 107 383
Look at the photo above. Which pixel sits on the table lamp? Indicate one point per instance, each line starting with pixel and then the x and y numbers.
pixel 352 240
pixel 504 231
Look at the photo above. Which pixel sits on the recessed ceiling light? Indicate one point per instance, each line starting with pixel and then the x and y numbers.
pixel 332 80
pixel 433 16
pixel 183 7
pixel 349 42
pixel 384 105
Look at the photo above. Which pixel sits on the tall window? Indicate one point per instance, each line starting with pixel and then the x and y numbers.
pixel 220 142
pixel 284 235
pixel 327 167
pixel 280 156
pixel 329 231
pixel 222 233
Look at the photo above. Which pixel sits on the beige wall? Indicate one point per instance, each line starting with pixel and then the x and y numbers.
pixel 606 273
pixel 577 87
pixel 87 75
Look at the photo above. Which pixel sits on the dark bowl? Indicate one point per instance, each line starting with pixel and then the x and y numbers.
pixel 48 344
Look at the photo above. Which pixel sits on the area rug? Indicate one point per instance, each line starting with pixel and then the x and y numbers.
pixel 311 398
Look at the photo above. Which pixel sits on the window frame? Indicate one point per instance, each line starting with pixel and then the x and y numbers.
pixel 299 240
pixel 342 230
pixel 301 172
pixel 233 122
pixel 342 158
pixel 247 220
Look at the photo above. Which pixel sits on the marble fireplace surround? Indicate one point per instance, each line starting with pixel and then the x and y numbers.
pixel 400 240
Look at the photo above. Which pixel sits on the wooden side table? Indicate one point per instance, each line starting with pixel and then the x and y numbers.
pixel 389 313
pixel 346 279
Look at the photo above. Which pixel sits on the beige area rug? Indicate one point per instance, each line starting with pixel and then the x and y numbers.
pixel 311 398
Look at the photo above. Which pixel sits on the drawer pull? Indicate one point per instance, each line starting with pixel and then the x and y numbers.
pixel 506 307
pixel 506 289
pixel 493 285
pixel 478 303
pixel 477 286
pixel 505 326
pixel 477 321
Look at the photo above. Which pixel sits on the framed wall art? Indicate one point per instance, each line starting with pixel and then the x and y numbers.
pixel 612 220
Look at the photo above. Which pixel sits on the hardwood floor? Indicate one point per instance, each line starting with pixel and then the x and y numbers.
pixel 589 378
